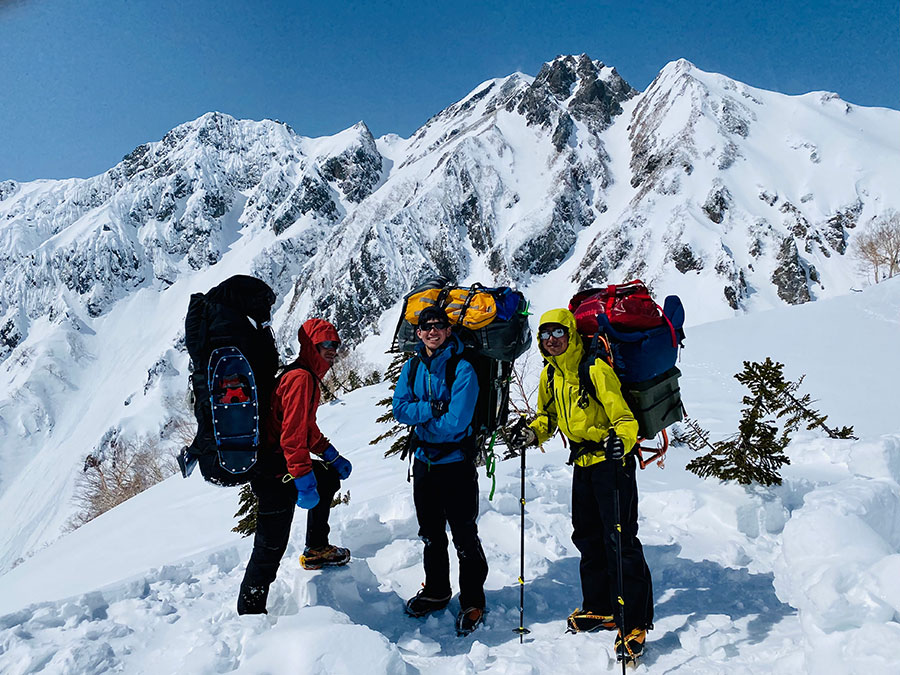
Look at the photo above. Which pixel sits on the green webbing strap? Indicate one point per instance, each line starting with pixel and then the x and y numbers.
pixel 490 464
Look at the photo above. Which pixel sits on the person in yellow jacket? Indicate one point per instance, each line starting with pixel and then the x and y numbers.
pixel 586 420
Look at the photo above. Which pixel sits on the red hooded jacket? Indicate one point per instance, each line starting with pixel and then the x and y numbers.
pixel 292 421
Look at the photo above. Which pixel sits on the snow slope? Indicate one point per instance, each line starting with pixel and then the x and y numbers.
pixel 799 578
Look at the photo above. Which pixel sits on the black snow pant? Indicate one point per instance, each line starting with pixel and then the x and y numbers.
pixel 277 502
pixel 593 520
pixel 448 494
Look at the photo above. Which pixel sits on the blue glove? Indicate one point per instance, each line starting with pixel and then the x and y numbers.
pixel 439 408
pixel 341 465
pixel 307 495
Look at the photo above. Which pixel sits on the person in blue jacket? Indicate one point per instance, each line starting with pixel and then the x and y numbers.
pixel 436 395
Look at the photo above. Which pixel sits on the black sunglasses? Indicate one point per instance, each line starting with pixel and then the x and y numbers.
pixel 555 332
pixel 330 344
pixel 433 325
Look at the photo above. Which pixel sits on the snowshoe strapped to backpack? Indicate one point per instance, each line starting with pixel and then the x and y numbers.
pixel 234 360
pixel 492 324
pixel 640 340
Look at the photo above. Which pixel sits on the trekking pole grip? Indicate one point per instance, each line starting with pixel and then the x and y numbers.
pixel 614 446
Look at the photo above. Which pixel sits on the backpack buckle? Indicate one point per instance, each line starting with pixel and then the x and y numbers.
pixel 583 401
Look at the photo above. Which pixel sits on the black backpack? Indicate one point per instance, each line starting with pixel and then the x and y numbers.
pixel 233 365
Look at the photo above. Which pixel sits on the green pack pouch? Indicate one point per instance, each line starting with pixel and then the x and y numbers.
pixel 655 403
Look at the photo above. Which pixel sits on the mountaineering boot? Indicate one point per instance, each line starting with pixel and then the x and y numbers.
pixel 326 556
pixel 630 649
pixel 468 620
pixel 586 621
pixel 423 603
pixel 252 599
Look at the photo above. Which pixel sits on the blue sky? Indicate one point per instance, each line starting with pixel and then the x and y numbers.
pixel 82 83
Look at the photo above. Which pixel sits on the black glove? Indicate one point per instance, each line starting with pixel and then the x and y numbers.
pixel 438 408
pixel 521 435
pixel 615 448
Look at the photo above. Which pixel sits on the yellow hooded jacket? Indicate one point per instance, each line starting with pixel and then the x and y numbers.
pixel 560 409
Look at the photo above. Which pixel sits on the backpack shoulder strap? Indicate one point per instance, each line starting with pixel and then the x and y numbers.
pixel 450 371
pixel 598 350
pixel 411 376
pixel 551 373
pixel 585 383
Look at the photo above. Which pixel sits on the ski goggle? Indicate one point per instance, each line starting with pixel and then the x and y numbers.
pixel 555 332
pixel 433 325
pixel 330 344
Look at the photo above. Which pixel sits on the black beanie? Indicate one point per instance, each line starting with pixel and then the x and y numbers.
pixel 433 313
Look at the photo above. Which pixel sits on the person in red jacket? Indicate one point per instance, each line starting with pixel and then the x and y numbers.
pixel 308 470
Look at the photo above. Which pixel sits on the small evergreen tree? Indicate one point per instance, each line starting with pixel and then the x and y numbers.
pixel 397 431
pixel 755 454
pixel 766 380
pixel 248 507
pixel 340 499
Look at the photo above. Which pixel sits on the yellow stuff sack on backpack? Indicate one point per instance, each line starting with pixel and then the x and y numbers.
pixel 477 308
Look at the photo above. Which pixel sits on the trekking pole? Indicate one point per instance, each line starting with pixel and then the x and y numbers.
pixel 521 630
pixel 616 458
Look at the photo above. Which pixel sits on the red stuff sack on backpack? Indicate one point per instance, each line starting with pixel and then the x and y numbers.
pixel 628 307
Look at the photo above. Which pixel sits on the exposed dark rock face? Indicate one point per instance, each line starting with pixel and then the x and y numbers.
pixel 544 252
pixel 357 170
pixel 735 118
pixel 600 96
pixel 596 99
pixel 835 228
pixel 10 337
pixel 768 197
pixel 731 297
pixel 162 368
pixel 685 260
pixel 563 132
pixel 137 160
pixel 796 222
pixel 737 290
pixel 607 252
pixel 717 203
pixel 7 189
pixel 790 277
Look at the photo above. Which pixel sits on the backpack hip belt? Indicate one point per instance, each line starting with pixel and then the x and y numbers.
pixel 578 449
pixel 441 450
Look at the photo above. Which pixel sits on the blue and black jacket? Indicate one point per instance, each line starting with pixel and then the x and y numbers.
pixel 435 437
